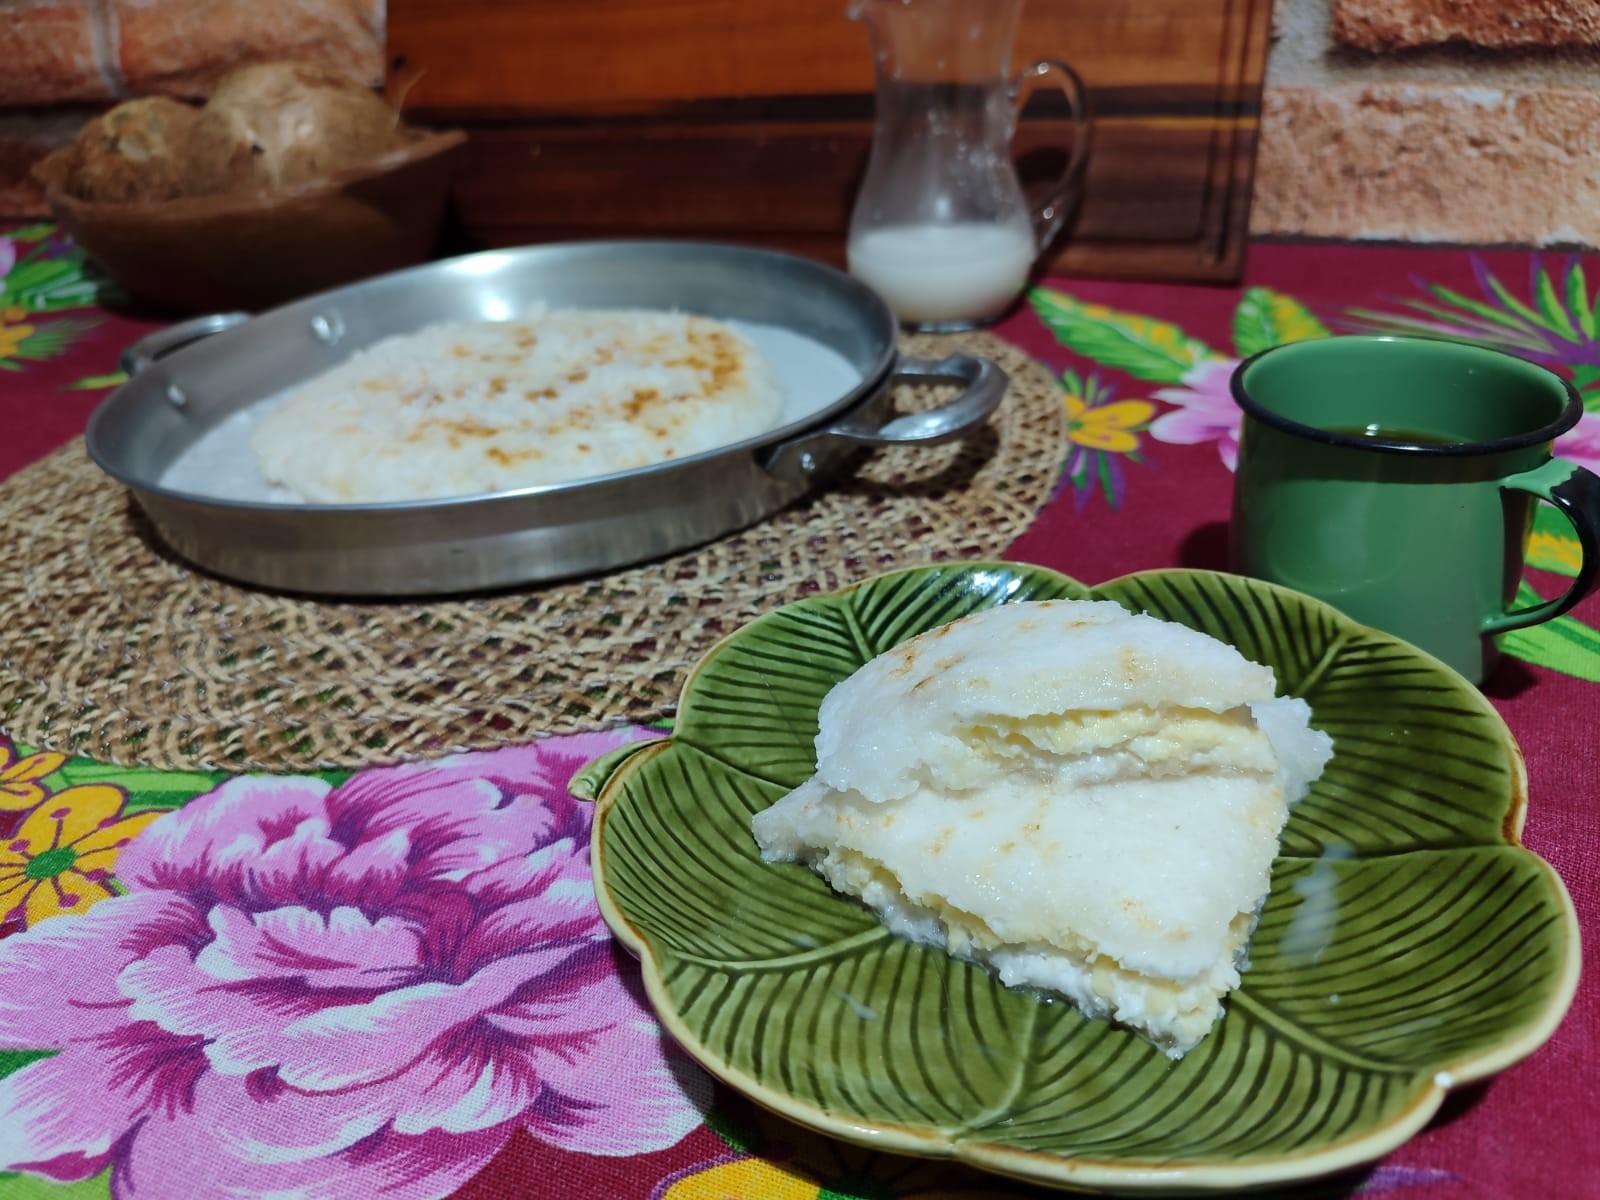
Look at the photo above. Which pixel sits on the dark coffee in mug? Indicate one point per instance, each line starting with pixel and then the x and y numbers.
pixel 1344 491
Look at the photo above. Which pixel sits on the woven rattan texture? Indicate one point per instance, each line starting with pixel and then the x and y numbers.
pixel 111 648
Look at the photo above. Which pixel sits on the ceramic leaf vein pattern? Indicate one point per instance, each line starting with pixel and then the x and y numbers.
pixel 1403 936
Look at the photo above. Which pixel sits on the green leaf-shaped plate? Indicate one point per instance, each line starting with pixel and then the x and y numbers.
pixel 1409 943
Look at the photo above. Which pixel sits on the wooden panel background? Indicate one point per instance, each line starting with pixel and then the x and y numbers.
pixel 749 120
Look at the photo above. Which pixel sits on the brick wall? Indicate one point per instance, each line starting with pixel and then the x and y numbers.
pixel 1472 121
pixel 61 60
pixel 1420 120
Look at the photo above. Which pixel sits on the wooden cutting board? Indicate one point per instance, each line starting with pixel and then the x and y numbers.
pixel 749 120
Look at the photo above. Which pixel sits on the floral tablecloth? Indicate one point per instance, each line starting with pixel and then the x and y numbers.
pixel 395 982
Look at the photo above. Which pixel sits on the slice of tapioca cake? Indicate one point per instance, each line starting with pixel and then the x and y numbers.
pixel 1083 800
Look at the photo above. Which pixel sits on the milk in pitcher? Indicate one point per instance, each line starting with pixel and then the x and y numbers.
pixel 941 227
pixel 932 274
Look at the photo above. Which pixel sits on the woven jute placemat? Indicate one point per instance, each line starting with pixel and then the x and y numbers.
pixel 113 648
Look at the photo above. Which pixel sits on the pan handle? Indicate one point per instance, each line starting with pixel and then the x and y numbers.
pixel 153 347
pixel 801 457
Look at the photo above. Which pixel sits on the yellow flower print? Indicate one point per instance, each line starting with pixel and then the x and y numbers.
pixel 1102 433
pixel 1554 552
pixel 12 337
pixel 60 858
pixel 774 1160
pixel 19 777
pixel 745 1179
pixel 758 1179
pixel 1109 427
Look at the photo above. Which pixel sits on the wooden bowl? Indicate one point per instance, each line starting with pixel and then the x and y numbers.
pixel 256 249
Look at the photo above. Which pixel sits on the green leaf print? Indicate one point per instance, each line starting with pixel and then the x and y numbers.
pixel 147 787
pixel 41 285
pixel 1556 324
pixel 1516 306
pixel 12 1061
pixel 47 341
pixel 1266 318
pixel 1565 644
pixel 1587 380
pixel 1578 301
pixel 92 383
pixel 1456 317
pixel 34 1187
pixel 1555 314
pixel 1142 346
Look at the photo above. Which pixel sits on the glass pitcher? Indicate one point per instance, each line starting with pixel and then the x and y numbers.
pixel 941 229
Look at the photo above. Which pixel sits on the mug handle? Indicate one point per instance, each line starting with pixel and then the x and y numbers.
pixel 1576 492
pixel 1052 211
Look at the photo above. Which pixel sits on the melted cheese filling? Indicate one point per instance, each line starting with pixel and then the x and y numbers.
pixel 1173 1013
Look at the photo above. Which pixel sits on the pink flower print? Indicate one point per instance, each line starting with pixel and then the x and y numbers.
pixel 320 991
pixel 8 257
pixel 1206 411
pixel 1581 443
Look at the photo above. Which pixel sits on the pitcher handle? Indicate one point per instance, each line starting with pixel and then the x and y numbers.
pixel 1052 211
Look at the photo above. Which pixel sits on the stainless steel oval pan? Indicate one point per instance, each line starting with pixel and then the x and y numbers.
pixel 187 379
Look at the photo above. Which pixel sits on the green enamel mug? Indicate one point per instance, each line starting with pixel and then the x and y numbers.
pixel 1396 477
